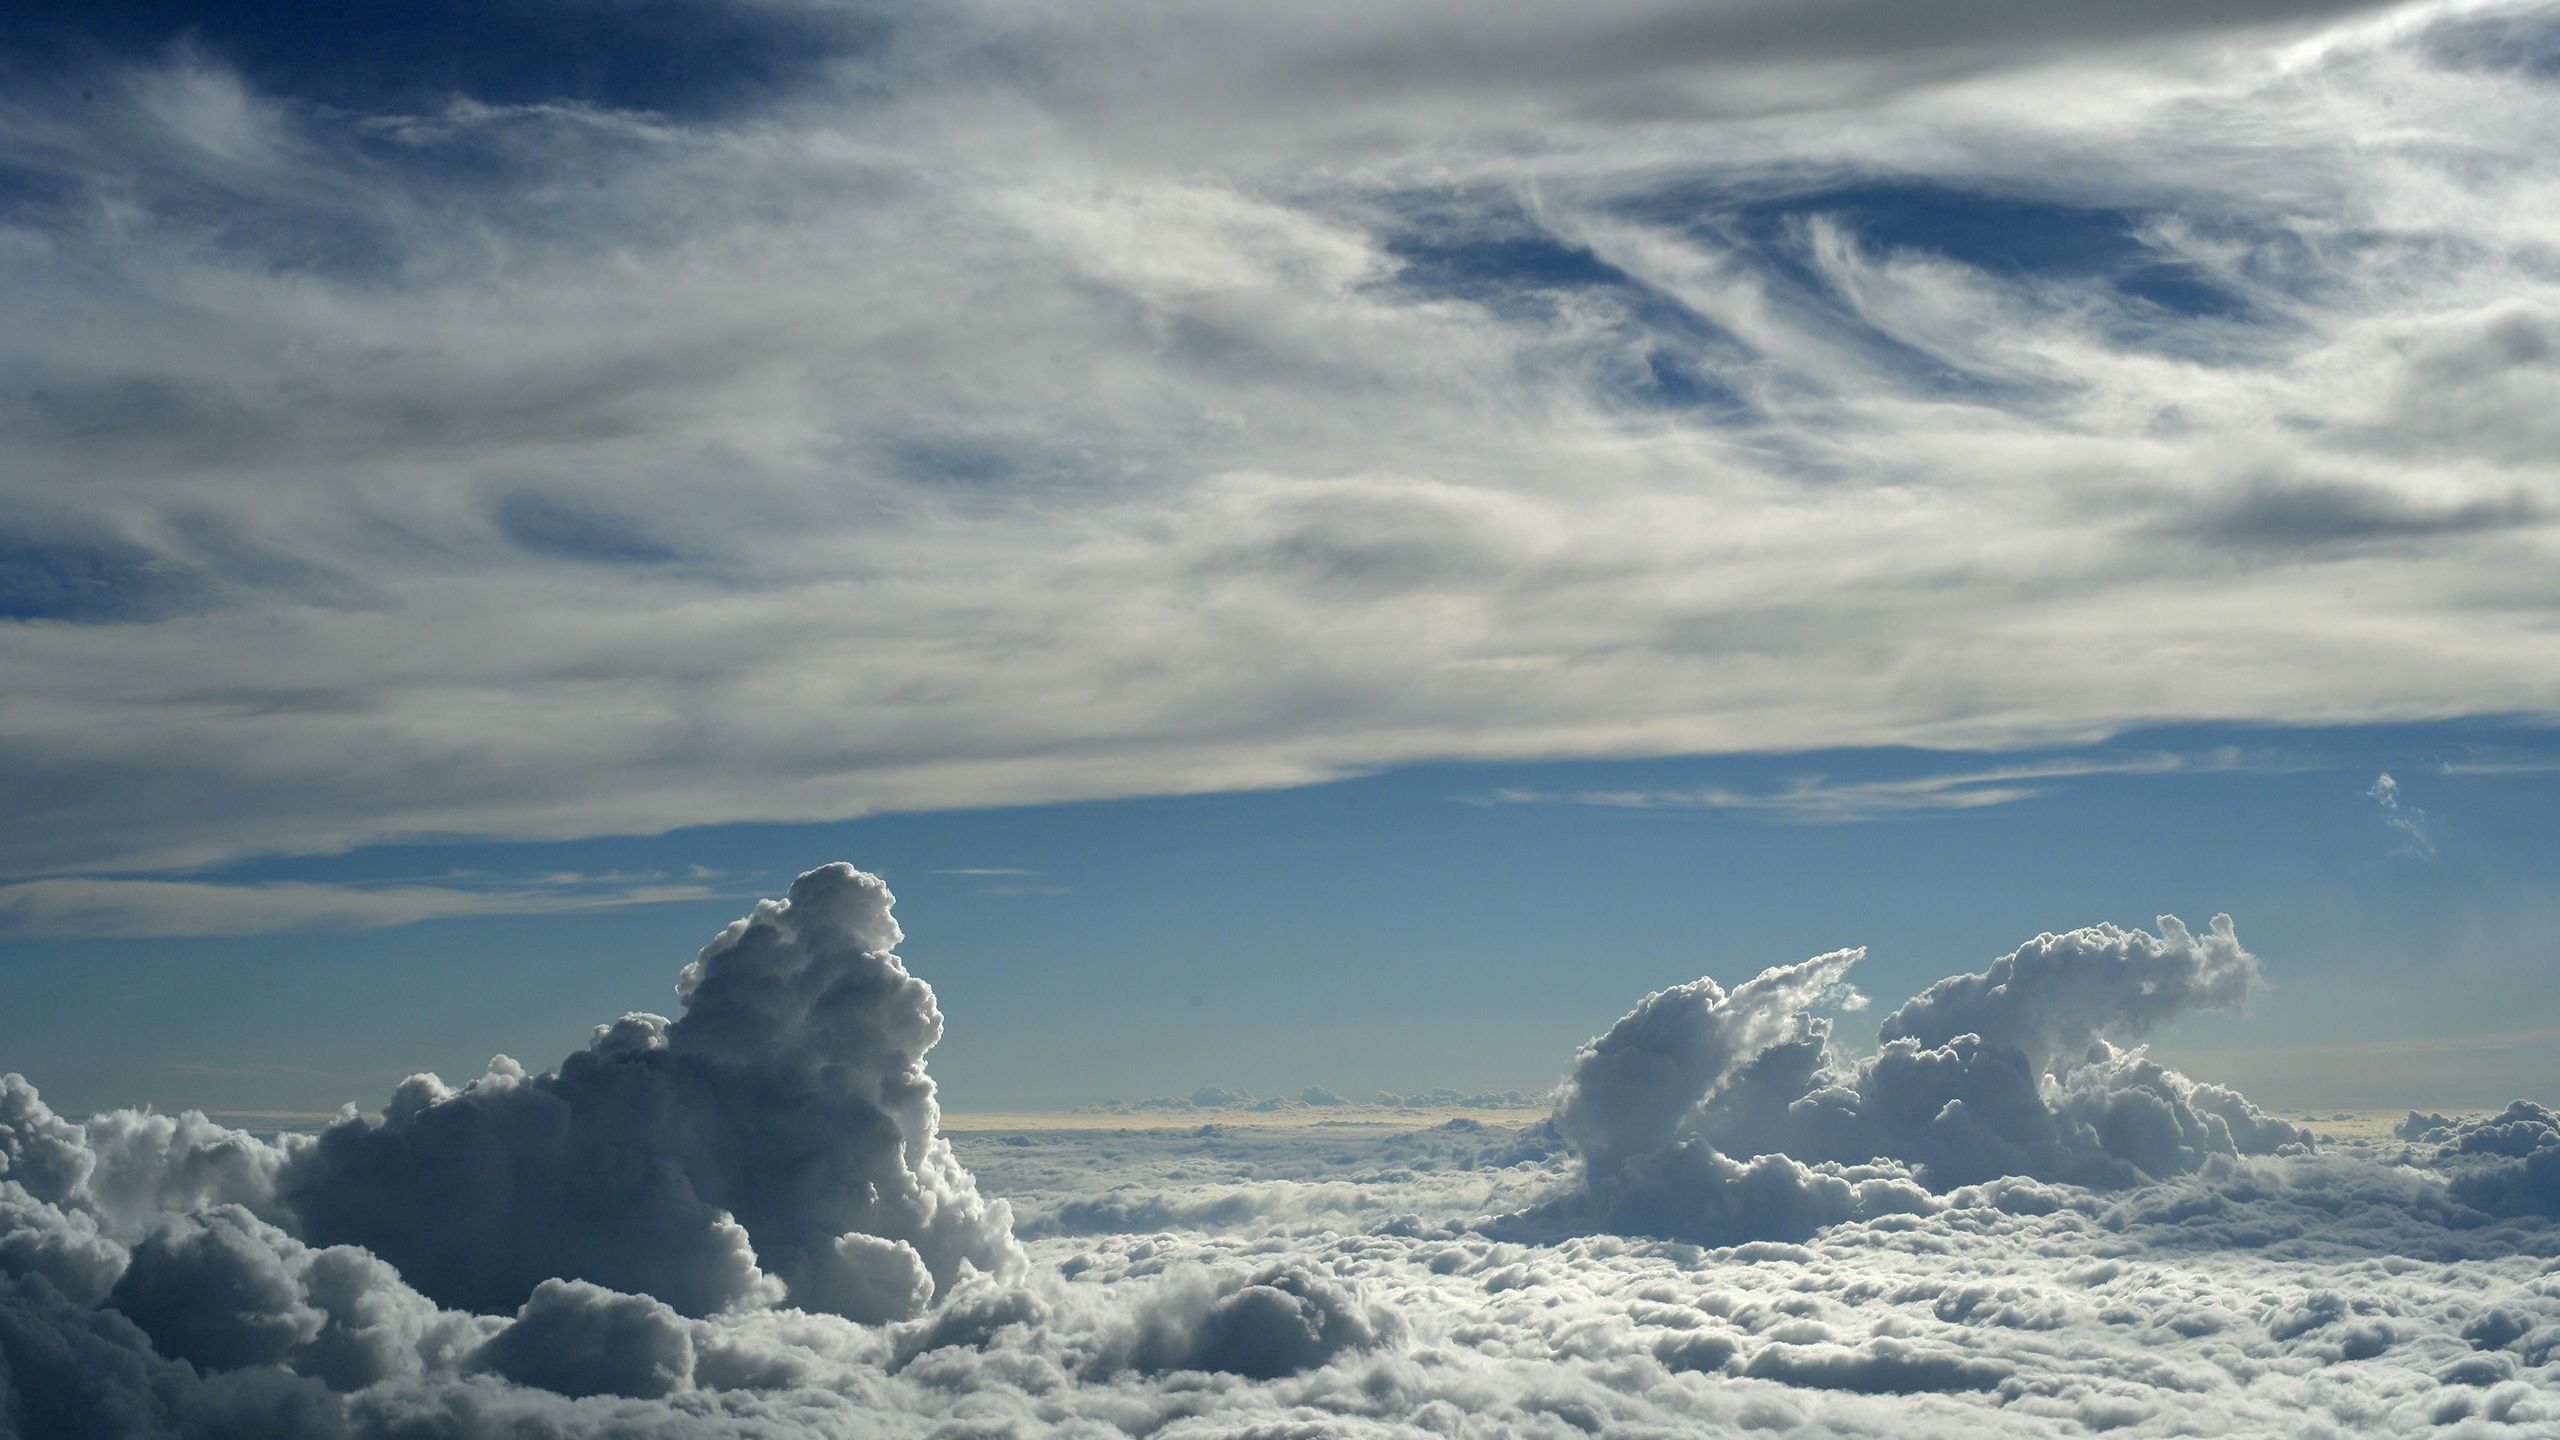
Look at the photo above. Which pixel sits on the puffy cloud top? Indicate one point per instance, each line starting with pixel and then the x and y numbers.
pixel 2005 1072
pixel 1632 1088
pixel 2503 1164
pixel 2056 993
pixel 782 1128
pixel 693 1195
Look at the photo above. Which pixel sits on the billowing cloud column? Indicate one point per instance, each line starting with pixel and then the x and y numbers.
pixel 1635 1088
pixel 2005 1072
pixel 777 1140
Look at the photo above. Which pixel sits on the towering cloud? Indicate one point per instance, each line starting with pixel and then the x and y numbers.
pixel 1633 1089
pixel 2057 993
pixel 2007 1072
pixel 782 1129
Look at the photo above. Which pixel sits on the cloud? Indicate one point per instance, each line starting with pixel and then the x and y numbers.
pixel 77 908
pixel 1276 1321
pixel 2502 1164
pixel 2314 515
pixel 2058 993
pixel 1820 798
pixel 2007 1072
pixel 576 1339
pixel 746 1220
pixel 2410 824
pixel 1276 400
pixel 781 1129
pixel 1631 1088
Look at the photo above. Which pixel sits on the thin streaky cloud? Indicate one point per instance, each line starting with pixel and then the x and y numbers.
pixel 79 907
pixel 1621 382
pixel 1818 798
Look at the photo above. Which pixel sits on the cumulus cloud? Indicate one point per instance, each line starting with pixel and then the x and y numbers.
pixel 1275 1321
pixel 2502 1164
pixel 574 1339
pixel 1722 1117
pixel 1632 1088
pixel 782 1128
pixel 2057 993
pixel 2000 1223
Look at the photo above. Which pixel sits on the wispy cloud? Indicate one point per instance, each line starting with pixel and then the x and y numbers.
pixel 1820 798
pixel 116 908
pixel 2408 822
pixel 1273 396
pixel 2500 765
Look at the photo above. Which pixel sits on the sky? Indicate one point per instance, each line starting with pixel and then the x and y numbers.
pixel 825 719
pixel 1322 547
pixel 1459 926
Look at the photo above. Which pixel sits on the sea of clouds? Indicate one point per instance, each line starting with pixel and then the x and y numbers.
pixel 747 1220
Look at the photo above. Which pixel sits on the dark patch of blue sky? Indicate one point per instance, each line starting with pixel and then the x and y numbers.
pixel 1517 271
pixel 955 461
pixel 88 580
pixel 683 58
pixel 556 526
pixel 1499 258
pixel 2007 237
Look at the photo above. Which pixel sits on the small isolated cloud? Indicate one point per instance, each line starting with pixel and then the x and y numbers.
pixel 2407 822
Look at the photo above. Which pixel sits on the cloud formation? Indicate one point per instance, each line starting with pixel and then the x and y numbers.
pixel 1721 1117
pixel 82 907
pixel 1277 399
pixel 2409 824
pixel 745 1220
pixel 781 1129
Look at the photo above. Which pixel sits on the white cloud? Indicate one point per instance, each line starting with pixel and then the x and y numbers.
pixel 1272 401
pixel 2408 822
pixel 1816 797
pixel 163 1275
pixel 115 907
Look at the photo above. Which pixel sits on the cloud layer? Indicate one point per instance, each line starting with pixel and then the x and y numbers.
pixel 1273 399
pixel 746 1221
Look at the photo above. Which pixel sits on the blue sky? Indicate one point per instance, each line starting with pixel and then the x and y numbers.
pixel 1444 925
pixel 1406 529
